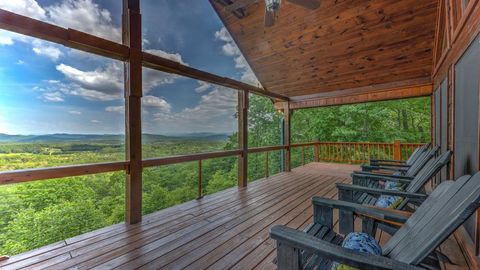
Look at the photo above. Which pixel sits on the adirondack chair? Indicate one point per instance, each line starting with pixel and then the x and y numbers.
pixel 407 173
pixel 411 247
pixel 391 163
pixel 366 190
pixel 421 158
pixel 368 195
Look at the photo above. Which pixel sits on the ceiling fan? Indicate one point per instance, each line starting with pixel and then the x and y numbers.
pixel 272 7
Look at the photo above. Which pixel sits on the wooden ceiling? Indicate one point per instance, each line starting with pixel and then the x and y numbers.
pixel 344 44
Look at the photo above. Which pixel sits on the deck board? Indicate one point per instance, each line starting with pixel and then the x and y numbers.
pixel 226 230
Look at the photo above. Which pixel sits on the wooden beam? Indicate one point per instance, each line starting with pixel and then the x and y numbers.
pixel 170 66
pixel 89 43
pixel 286 136
pixel 132 36
pixel 188 158
pixel 266 149
pixel 68 37
pixel 361 97
pixel 19 176
pixel 243 138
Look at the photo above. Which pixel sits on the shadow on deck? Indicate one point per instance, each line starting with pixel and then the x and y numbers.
pixel 225 230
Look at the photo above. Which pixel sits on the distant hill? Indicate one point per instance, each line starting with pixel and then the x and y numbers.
pixel 64 137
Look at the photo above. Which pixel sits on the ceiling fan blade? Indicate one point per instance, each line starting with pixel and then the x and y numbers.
pixel 269 18
pixel 309 4
pixel 239 4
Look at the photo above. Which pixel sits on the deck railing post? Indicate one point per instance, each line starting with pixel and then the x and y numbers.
pixel 397 151
pixel 316 151
pixel 200 188
pixel 286 136
pixel 267 173
pixel 132 36
pixel 303 155
pixel 243 138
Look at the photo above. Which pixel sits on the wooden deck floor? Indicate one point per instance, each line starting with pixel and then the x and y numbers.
pixel 227 230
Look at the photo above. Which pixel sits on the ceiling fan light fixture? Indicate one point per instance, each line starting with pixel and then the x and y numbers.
pixel 272 5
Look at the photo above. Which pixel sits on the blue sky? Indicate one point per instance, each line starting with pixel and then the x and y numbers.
pixel 47 88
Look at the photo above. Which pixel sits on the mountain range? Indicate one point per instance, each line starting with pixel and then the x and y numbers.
pixel 65 137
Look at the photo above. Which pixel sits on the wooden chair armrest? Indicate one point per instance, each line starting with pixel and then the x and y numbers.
pixel 419 197
pixel 385 167
pixel 393 211
pixel 388 161
pixel 373 175
pixel 376 213
pixel 290 242
pixel 393 178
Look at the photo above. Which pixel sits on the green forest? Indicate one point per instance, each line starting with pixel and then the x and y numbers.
pixel 38 213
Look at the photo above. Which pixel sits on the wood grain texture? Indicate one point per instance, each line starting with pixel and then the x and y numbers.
pixel 219 229
pixel 132 36
pixel 341 45
pixel 243 105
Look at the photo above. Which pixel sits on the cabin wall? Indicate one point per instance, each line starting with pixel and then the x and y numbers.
pixel 456 79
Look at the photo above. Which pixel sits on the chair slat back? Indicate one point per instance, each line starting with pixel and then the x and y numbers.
pixel 428 171
pixel 416 153
pixel 423 159
pixel 448 207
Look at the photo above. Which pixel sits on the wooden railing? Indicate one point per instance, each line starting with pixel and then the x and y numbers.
pixel 341 152
pixel 356 152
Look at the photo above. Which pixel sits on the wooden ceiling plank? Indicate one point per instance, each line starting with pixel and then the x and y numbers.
pixel 343 44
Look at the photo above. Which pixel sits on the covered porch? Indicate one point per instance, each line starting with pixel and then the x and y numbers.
pixel 348 53
pixel 225 230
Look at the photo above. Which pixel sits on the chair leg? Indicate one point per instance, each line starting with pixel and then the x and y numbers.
pixel 288 257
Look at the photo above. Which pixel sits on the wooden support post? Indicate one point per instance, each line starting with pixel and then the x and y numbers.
pixel 303 155
pixel 286 136
pixel 200 191
pixel 316 151
pixel 132 36
pixel 397 151
pixel 267 172
pixel 243 138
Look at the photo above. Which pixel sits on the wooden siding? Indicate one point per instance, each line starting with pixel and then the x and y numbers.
pixel 457 27
pixel 225 230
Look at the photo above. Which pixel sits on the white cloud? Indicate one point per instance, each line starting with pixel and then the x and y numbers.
pixel 231 49
pixel 215 112
pixel 5 40
pixel 153 78
pixel 86 16
pixel 116 109
pixel 95 121
pixel 8 38
pixel 159 103
pixel 29 8
pixel 202 87
pixel 75 112
pixel 52 52
pixel 53 96
pixel 82 15
pixel 106 80
pixel 101 84
pixel 171 56
pixel 20 62
pixel 106 83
